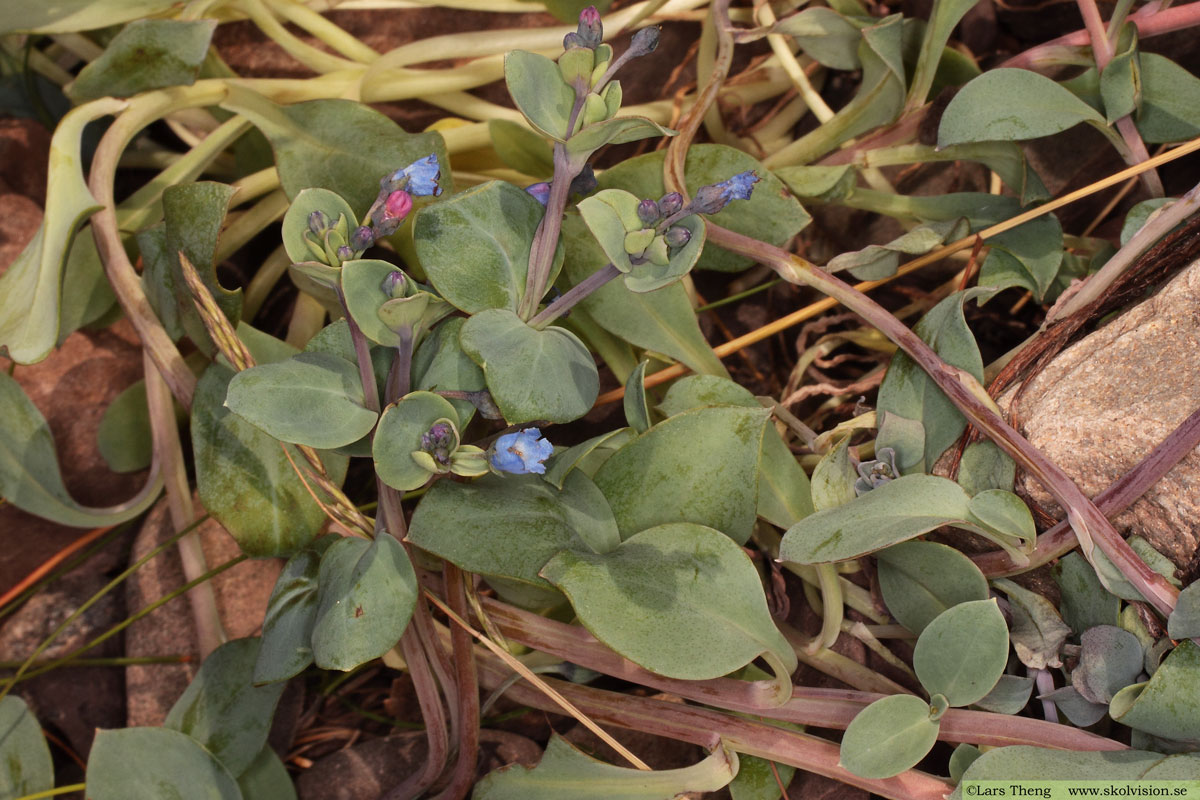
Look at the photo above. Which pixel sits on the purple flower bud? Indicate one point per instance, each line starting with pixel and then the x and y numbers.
pixel 362 238
pixel 590 30
pixel 644 42
pixel 648 212
pixel 540 192
pixel 318 221
pixel 669 203
pixel 345 253
pixel 394 284
pixel 571 40
pixel 677 236
pixel 521 453
pixel 440 442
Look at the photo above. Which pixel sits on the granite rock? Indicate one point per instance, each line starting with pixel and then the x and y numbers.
pixel 1105 402
pixel 242 593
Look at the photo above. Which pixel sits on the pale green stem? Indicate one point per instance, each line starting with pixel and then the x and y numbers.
pixel 272 269
pixel 308 317
pixel 249 223
pixel 831 613
pixel 322 28
pixel 125 281
pixel 80 45
pixel 254 185
pixel 312 57
pixel 866 636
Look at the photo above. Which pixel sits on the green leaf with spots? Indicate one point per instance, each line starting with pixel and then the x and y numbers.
pixel 474 246
pixel 699 466
pixel 1168 705
pixel 311 398
pixel 244 476
pixel 1011 105
pixel 25 763
pixel 509 526
pixel 366 595
pixel 223 710
pixel 681 600
pixel 962 653
pixel 532 374
pixel 339 145
pixel 147 54
pixel 1085 601
pixel 784 495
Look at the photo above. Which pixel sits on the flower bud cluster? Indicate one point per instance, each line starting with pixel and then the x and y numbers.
pixel 587 64
pixel 654 241
pixel 441 452
pixel 873 474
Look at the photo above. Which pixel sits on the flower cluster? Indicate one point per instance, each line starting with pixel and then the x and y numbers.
pixel 396 193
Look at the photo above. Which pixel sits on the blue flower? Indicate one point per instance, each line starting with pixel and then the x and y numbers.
pixel 739 186
pixel 711 199
pixel 422 177
pixel 521 453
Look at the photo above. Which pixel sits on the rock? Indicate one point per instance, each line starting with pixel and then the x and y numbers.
pixel 74 701
pixel 364 771
pixel 72 388
pixel 1108 400
pixel 242 594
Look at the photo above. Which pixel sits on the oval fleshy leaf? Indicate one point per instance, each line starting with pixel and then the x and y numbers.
pixel 888 737
pixel 700 466
pixel 920 580
pixel 1168 705
pixel 680 599
pixel 147 763
pixel 562 766
pixel 986 109
pixel 962 652
pixel 475 245
pixel 311 398
pixel 509 526
pixel 532 374
pixel 25 763
pixel 367 592
pixel 537 87
pixel 286 647
pixel 244 476
pixel 222 709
